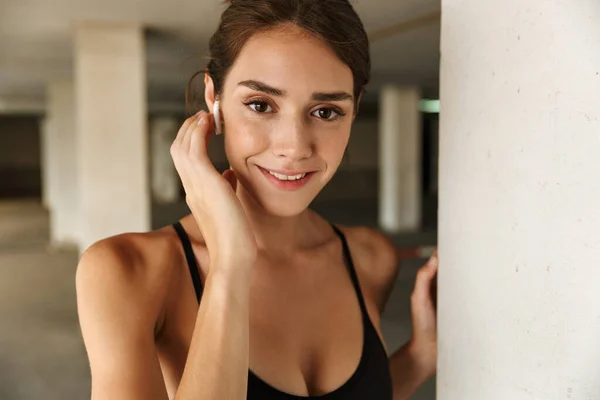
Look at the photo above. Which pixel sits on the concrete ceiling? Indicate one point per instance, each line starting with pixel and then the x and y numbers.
pixel 36 42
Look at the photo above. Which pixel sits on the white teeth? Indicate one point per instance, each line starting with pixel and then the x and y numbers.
pixel 287 177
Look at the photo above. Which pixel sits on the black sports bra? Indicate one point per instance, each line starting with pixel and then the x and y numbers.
pixel 370 381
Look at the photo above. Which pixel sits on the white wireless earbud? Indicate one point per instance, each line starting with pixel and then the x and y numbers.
pixel 217 116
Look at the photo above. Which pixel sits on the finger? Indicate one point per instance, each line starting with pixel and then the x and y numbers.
pixel 182 142
pixel 230 176
pixel 425 278
pixel 184 127
pixel 199 137
pixel 433 262
pixel 434 254
pixel 178 151
pixel 211 129
pixel 191 133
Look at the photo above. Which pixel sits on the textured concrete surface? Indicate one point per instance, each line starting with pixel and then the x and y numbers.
pixel 41 352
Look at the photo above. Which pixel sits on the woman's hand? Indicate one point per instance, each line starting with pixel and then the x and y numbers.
pixel 211 196
pixel 415 362
pixel 423 344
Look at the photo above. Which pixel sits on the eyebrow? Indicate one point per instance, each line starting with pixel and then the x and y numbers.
pixel 318 96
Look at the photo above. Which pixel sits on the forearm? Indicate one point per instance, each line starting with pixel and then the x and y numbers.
pixel 409 371
pixel 217 363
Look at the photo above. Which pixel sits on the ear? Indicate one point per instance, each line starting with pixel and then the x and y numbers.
pixel 209 92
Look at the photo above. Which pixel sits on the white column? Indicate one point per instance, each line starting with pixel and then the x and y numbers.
pixel 165 180
pixel 519 223
pixel 60 163
pixel 45 153
pixel 111 103
pixel 400 159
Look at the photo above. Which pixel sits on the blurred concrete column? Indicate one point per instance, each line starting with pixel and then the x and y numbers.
pixel 400 159
pixel 45 160
pixel 165 180
pixel 110 64
pixel 59 147
pixel 519 217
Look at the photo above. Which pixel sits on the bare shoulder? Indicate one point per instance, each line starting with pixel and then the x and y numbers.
pixel 376 261
pixel 120 301
pixel 131 258
pixel 130 270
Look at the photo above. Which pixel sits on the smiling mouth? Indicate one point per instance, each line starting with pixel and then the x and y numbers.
pixel 287 181
pixel 283 177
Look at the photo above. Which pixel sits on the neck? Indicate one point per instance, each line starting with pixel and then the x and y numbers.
pixel 275 234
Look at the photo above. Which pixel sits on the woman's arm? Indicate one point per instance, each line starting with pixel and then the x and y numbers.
pixel 114 301
pixel 409 371
pixel 117 312
pixel 378 262
pixel 415 362
pixel 117 323
pixel 217 366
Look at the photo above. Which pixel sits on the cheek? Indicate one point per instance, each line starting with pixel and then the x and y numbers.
pixel 244 138
pixel 333 147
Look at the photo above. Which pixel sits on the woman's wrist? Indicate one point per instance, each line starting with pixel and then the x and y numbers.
pixel 410 367
pixel 230 283
pixel 423 356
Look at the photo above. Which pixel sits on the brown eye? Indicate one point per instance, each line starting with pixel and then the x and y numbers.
pixel 328 114
pixel 325 113
pixel 260 106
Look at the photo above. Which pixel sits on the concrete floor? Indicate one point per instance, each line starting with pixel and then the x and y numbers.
pixel 41 352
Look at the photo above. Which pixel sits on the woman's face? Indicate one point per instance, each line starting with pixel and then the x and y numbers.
pixel 287 108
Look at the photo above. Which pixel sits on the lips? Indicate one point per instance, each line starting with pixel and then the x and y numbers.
pixel 288 177
pixel 289 172
pixel 287 180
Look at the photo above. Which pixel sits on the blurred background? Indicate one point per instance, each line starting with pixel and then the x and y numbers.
pixel 91 97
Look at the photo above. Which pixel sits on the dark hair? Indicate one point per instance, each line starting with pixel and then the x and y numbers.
pixel 333 21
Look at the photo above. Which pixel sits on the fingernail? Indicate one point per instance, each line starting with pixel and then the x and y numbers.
pixel 202 119
pixel 432 261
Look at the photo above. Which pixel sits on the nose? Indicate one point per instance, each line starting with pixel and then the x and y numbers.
pixel 292 142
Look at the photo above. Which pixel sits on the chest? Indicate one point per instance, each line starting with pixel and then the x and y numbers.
pixel 306 326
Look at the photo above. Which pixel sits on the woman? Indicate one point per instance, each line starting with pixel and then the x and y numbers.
pixel 253 295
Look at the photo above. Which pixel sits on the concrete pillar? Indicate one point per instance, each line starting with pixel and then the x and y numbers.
pixel 45 160
pixel 110 65
pixel 165 180
pixel 60 163
pixel 400 159
pixel 519 222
